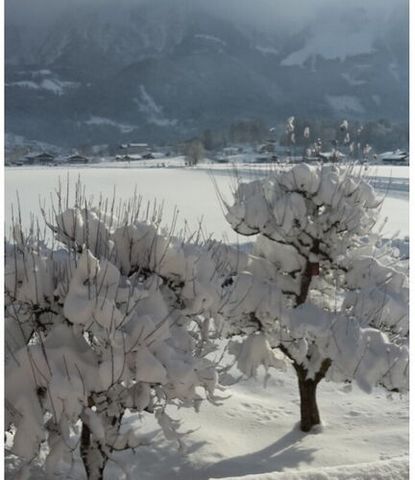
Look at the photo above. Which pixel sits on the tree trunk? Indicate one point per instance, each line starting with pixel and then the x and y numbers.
pixel 308 403
pixel 310 415
pixel 93 457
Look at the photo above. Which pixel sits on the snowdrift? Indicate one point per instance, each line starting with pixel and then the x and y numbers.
pixel 395 468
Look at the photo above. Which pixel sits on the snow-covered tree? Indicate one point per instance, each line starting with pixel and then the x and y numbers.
pixel 319 286
pixel 111 320
pixel 194 152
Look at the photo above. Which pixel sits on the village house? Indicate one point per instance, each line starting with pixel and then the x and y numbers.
pixel 333 156
pixel 134 148
pixel 75 159
pixel 398 157
pixel 128 158
pixel 40 159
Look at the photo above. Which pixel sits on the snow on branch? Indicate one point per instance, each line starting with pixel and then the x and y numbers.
pixel 339 294
pixel 115 316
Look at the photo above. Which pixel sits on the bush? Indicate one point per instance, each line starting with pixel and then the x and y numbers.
pixel 112 320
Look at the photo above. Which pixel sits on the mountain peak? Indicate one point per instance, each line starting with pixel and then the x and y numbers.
pixel 174 68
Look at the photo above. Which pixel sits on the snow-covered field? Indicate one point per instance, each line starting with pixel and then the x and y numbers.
pixel 191 190
pixel 386 171
pixel 253 435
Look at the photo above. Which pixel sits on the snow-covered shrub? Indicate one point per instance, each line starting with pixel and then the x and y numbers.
pixel 319 285
pixel 112 320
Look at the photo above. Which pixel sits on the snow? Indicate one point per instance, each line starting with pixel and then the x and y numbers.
pixel 148 105
pixel 41 73
pixel 210 38
pixel 12 141
pixel 248 426
pixel 195 199
pixel 52 84
pixel 249 169
pixel 326 43
pixel 322 211
pixel 398 469
pixel 24 84
pixel 345 104
pixel 395 210
pixel 396 155
pixel 394 71
pixel 255 352
pixel 377 99
pixel 352 81
pixel 253 434
pixel 94 120
pixel 267 50
pixel 94 307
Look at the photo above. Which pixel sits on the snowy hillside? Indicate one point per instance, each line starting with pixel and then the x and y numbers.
pixel 173 69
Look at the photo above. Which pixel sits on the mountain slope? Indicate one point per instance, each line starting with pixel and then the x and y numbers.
pixel 162 71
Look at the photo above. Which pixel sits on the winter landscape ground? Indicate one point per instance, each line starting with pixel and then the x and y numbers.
pixel 206 253
pixel 191 190
pixel 254 433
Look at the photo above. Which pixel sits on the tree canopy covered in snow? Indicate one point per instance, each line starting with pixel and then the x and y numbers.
pixel 112 318
pixel 319 285
pixel 119 315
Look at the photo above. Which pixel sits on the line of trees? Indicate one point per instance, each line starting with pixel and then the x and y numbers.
pixel 249 131
pixel 381 134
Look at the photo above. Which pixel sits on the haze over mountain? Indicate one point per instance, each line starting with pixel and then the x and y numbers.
pixel 103 71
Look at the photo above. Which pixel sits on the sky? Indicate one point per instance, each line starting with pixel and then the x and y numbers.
pixel 262 14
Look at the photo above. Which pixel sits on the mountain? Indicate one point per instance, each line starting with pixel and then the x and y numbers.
pixel 160 71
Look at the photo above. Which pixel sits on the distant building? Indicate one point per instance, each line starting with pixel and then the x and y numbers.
pixel 228 151
pixel 398 157
pixel 40 159
pixel 77 159
pixel 167 150
pixel 267 148
pixel 128 158
pixel 333 156
pixel 133 148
